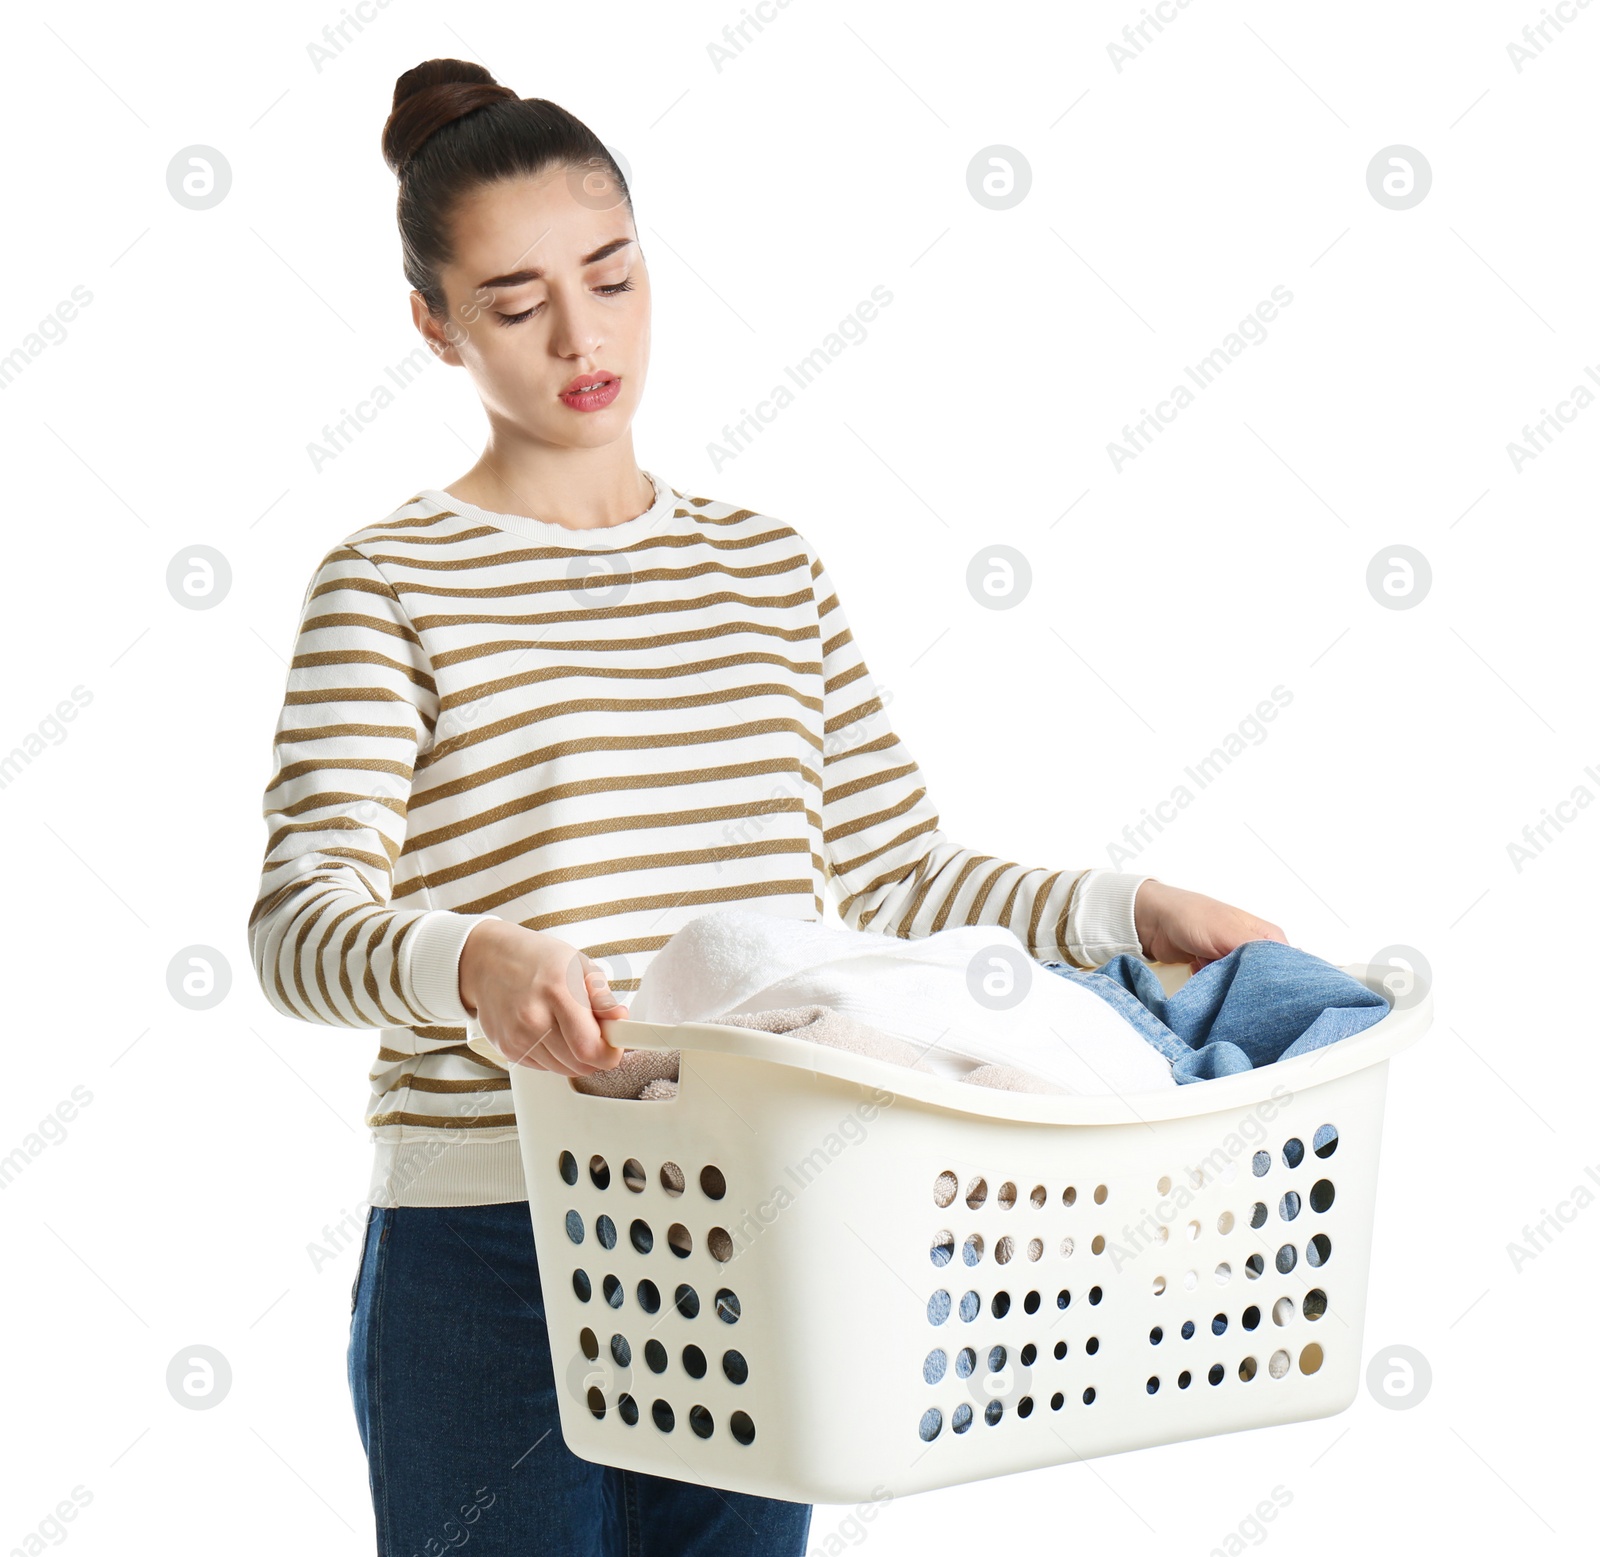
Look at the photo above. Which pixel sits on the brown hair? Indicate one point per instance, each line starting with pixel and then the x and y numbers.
pixel 451 128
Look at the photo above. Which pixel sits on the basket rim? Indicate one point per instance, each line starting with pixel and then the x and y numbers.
pixel 1398 1030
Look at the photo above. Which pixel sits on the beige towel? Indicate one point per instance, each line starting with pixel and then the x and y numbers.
pixel 650 1075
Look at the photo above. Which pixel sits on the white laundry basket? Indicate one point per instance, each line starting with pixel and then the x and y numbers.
pixel 821 1277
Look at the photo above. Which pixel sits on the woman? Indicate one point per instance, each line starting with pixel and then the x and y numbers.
pixel 548 715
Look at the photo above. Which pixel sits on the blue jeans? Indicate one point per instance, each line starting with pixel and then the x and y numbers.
pixel 1264 1001
pixel 455 1398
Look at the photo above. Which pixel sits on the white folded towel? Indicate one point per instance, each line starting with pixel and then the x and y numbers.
pixel 736 959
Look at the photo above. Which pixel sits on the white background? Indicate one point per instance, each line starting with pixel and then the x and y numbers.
pixel 1168 598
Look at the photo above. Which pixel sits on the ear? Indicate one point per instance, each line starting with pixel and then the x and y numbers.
pixel 433 331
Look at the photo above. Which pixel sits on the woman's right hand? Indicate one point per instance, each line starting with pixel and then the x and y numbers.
pixel 538 999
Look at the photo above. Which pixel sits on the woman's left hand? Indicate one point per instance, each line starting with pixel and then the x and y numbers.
pixel 1179 926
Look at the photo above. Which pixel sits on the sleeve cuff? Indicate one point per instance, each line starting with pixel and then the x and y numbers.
pixel 434 963
pixel 1102 916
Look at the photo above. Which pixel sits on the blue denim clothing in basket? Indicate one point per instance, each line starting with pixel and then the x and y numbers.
pixel 1263 1002
pixel 455 1393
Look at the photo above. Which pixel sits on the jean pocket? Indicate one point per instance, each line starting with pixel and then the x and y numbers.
pixel 361 1260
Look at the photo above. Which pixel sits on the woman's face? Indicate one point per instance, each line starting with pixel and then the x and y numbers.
pixel 548 290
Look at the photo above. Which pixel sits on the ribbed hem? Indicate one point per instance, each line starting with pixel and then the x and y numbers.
pixel 1104 916
pixel 433 955
pixel 437 1168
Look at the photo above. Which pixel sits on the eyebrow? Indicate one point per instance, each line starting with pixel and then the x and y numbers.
pixel 516 278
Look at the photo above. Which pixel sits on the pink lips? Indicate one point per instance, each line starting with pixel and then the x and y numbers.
pixel 609 387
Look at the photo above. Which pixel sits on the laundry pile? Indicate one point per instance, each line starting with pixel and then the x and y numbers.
pixel 965 1004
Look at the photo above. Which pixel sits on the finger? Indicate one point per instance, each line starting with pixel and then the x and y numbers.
pixel 549 1052
pixel 581 1035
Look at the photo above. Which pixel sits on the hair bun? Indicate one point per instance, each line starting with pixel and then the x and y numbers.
pixel 428 97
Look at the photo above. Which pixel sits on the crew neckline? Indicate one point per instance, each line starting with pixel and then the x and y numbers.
pixel 603 538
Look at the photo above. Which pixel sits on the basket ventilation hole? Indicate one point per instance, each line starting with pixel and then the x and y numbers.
pixel 1321 1195
pixel 1326 1140
pixel 687 1301
pixel 1283 1311
pixel 1004 1249
pixel 1247 1369
pixel 606 1231
pixel 742 1428
pixel 934 1364
pixel 1318 1250
pixel 1097 1244
pixel 655 1356
pixel 1294 1152
pixel 628 1409
pixel 1031 1303
pixel 727 1304
pixel 712 1183
pixel 588 1343
pixel 599 1172
pixel 977 1193
pixel 1224 1273
pixel 640 1236
pixel 574 1224
pixel 1008 1196
pixel 961 1418
pixel 1099 1194
pixel 597 1402
pixel 720 1242
pixel 1260 1163
pixel 672 1178
pixel 1251 1317
pixel 735 1367
pixel 942 1250
pixel 633 1175
pixel 1225 1222
pixel 700 1421
pixel 568 1164
pixel 613 1291
pixel 1159 1285
pixel 649 1296
pixel 970 1304
pixel 1316 1303
pixel 1000 1304
pixel 1311 1358
pixel 1163 1185
pixel 621 1352
pixel 939 1307
pixel 580 1285
pixel 1069 1196
pixel 679 1241
pixel 1258 1214
pixel 932 1421
pixel 1038 1197
pixel 1193 1230
pixel 1067 1246
pixel 661 1415
pixel 694 1363
pixel 1035 1248
pixel 966 1361
pixel 972 1249
pixel 944 1188
pixel 1278 1364
pixel 1254 1266
pixel 1289 1206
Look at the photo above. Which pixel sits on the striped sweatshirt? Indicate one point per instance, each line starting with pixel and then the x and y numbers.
pixel 599 734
